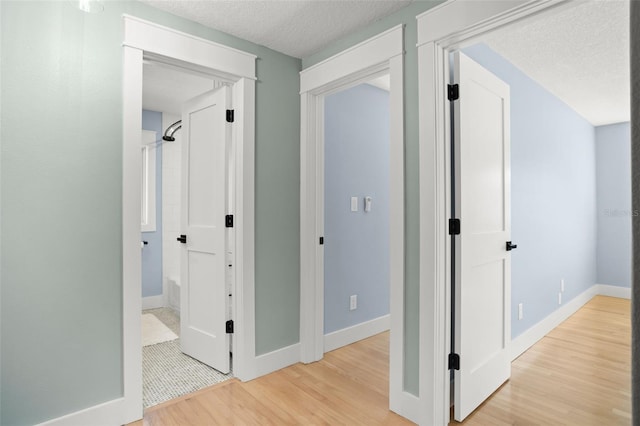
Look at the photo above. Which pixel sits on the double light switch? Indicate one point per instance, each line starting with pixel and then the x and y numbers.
pixel 367 204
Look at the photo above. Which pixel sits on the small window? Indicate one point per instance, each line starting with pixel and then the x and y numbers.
pixel 148 193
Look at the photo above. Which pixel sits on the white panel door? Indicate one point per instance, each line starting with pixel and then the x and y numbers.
pixel 483 264
pixel 203 294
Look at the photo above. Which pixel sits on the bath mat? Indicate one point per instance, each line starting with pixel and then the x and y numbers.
pixel 154 331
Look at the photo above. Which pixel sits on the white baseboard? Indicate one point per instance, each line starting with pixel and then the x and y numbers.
pixel 153 302
pixel 349 335
pixel 278 359
pixel 538 331
pixel 614 291
pixel 107 414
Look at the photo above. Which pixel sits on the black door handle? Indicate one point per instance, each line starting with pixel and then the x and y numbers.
pixel 182 239
pixel 511 246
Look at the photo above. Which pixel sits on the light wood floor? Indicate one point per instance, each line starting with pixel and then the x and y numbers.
pixel 348 387
pixel 579 374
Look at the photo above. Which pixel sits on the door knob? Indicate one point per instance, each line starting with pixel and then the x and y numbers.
pixel 182 239
pixel 511 246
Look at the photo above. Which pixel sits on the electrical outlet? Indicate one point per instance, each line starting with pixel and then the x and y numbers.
pixel 353 302
pixel 520 311
pixel 562 285
pixel 560 298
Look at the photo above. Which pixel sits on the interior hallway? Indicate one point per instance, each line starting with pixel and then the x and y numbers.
pixel 349 386
pixel 579 374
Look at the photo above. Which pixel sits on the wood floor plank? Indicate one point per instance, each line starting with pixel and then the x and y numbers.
pixel 579 374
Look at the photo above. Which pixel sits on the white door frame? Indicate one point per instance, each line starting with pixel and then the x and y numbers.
pixel 379 54
pixel 143 39
pixel 441 30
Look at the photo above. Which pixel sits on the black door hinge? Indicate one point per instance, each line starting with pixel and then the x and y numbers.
pixel 321 240
pixel 229 326
pixel 454 226
pixel 228 221
pixel 230 118
pixel 453 92
pixel 454 362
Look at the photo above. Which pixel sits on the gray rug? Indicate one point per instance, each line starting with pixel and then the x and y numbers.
pixel 167 373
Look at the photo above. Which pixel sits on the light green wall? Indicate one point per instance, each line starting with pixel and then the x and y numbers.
pixel 406 16
pixel 61 177
pixel 277 204
pixel 61 251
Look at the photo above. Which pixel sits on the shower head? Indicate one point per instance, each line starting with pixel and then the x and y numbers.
pixel 171 130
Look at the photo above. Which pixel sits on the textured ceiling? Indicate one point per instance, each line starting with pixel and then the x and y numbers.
pixel 297 28
pixel 580 54
pixel 165 89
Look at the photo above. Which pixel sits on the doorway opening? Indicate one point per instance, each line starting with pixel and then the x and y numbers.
pixel 559 261
pixel 356 212
pixel 167 370
pixel 380 55
pixel 145 41
pixel 434 47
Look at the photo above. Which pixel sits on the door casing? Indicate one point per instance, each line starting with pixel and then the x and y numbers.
pixel 441 30
pixel 146 40
pixel 381 54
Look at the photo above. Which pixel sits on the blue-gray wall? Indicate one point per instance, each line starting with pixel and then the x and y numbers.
pixel 356 252
pixel 553 195
pixel 61 197
pixel 613 148
pixel 152 252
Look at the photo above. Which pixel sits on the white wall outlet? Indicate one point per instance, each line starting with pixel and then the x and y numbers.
pixel 560 298
pixel 562 285
pixel 353 302
pixel 354 204
pixel 520 311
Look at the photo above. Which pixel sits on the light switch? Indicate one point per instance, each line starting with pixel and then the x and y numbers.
pixel 354 204
pixel 367 204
